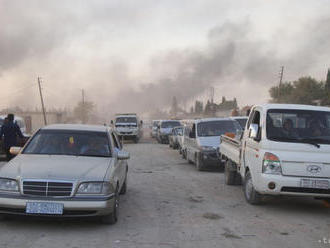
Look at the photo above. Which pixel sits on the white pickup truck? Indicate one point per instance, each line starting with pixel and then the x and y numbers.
pixel 284 150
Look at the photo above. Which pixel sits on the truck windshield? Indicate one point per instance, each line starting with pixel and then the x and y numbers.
pixel 69 142
pixel 217 128
pixel 300 126
pixel 126 120
pixel 170 124
pixel 242 122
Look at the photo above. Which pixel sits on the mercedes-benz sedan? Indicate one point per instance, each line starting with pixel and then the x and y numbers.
pixel 66 171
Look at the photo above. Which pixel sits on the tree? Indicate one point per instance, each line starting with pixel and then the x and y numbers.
pixel 326 99
pixel 305 90
pixel 83 111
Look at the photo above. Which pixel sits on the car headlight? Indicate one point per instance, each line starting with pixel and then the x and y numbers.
pixel 271 164
pixel 8 184
pixel 207 148
pixel 104 188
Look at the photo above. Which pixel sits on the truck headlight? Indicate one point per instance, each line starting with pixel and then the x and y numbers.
pixel 8 184
pixel 104 188
pixel 271 164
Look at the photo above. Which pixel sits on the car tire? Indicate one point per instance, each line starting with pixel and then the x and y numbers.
pixel 124 187
pixel 199 164
pixel 183 154
pixel 251 195
pixel 112 218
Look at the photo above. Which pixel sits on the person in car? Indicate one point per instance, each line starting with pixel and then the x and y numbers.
pixel 288 129
pixel 315 128
pixel 95 147
pixel 10 130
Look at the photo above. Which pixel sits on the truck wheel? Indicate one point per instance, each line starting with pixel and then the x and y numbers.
pixel 112 218
pixel 229 174
pixel 183 153
pixel 251 195
pixel 199 164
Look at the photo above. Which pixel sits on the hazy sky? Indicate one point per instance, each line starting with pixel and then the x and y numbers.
pixel 134 55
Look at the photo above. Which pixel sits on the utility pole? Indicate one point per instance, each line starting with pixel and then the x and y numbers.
pixel 280 85
pixel 83 106
pixel 42 101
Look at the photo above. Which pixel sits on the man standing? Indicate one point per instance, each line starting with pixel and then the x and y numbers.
pixel 10 131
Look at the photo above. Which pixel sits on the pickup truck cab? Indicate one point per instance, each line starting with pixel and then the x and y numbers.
pixel 284 150
pixel 202 140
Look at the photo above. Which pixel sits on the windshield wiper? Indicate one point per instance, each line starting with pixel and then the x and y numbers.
pixel 92 155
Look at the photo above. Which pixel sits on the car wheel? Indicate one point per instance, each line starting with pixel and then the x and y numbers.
pixel 124 187
pixel 229 174
pixel 199 164
pixel 251 195
pixel 112 218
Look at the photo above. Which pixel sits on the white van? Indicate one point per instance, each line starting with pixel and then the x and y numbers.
pixel 202 140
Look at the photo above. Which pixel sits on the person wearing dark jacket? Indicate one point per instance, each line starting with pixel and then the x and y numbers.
pixel 10 131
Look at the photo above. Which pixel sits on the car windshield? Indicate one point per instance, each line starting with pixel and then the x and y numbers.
pixel 126 120
pixel 303 126
pixel 217 128
pixel 242 122
pixel 68 142
pixel 170 124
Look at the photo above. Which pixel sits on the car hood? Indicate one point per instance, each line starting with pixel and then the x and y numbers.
pixel 213 141
pixel 56 167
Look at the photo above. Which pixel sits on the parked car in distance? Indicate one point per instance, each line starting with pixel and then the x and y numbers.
pixel 154 128
pixel 165 129
pixel 285 150
pixel 66 171
pixel 241 120
pixel 202 140
pixel 128 126
pixel 177 133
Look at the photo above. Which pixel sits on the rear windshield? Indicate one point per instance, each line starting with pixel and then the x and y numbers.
pixel 68 142
pixel 170 124
pixel 302 126
pixel 217 128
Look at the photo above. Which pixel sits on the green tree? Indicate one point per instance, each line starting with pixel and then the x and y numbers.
pixel 305 90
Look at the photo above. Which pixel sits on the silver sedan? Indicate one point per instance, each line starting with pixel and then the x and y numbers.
pixel 66 171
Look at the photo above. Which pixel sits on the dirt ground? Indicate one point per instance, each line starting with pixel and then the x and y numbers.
pixel 170 204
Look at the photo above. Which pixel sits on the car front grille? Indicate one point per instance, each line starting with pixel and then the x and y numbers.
pixel 47 188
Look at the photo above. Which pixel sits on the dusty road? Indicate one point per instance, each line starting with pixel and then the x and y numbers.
pixel 170 204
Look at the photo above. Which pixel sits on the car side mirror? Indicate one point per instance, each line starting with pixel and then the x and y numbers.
pixel 14 150
pixel 253 131
pixel 123 155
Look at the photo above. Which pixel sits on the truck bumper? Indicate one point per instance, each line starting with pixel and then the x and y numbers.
pixel 211 158
pixel 288 185
pixel 73 207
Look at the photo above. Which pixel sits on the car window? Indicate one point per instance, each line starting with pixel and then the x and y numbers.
pixel 69 142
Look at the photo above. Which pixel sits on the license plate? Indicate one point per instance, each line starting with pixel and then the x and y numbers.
pixel 44 208
pixel 314 184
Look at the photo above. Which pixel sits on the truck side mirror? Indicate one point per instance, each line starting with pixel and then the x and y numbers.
pixel 253 131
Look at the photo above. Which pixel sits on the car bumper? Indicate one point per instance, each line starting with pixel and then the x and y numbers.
pixel 287 185
pixel 73 207
pixel 211 158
